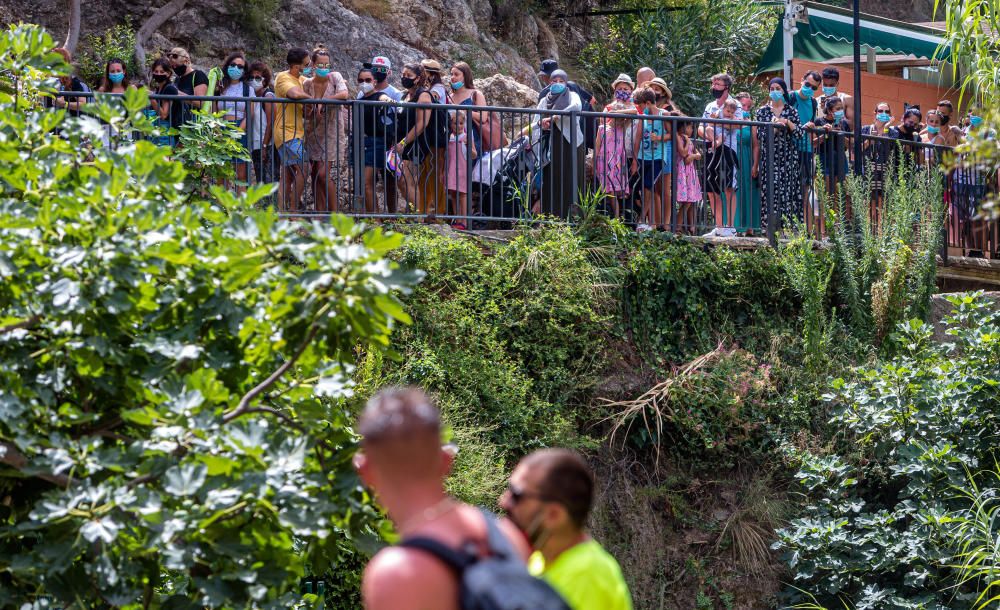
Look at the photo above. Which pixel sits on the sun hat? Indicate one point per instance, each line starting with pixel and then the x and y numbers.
pixel 662 84
pixel 431 65
pixel 623 78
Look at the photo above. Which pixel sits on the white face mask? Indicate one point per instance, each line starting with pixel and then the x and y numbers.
pixel 366 88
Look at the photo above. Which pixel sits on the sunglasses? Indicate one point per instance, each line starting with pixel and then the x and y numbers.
pixel 366 80
pixel 518 494
pixel 174 55
pixel 238 65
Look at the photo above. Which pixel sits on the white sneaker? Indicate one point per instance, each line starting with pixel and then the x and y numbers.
pixel 712 233
pixel 643 228
pixel 729 232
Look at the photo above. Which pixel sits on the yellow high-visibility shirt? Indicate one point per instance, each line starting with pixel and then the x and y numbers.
pixel 586 576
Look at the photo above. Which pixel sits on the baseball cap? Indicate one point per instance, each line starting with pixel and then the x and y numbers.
pixel 549 66
pixel 380 63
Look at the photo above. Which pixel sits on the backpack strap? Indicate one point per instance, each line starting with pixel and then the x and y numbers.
pixel 497 541
pixel 455 560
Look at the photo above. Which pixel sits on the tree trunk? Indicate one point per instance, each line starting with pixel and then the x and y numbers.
pixel 161 16
pixel 73 33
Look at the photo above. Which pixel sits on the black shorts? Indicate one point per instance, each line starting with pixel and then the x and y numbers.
pixel 807 166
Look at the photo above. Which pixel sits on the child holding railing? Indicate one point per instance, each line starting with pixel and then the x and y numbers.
pixel 460 149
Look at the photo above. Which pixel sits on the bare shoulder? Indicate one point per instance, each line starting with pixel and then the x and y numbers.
pixel 407 579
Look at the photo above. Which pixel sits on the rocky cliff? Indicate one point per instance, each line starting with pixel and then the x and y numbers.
pixel 493 36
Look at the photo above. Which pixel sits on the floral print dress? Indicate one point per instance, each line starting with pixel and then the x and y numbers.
pixel 786 175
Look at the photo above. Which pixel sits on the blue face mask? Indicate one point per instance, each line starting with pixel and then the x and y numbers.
pixel 235 72
pixel 557 88
pixel 975 121
pixel 457 85
pixel 807 90
pixel 828 91
pixel 777 96
pixel 933 130
pixel 746 114
pixel 322 72
pixel 838 115
pixel 116 77
pixel 307 71
pixel 883 117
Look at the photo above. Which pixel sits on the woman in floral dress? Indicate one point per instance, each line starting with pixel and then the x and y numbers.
pixel 787 192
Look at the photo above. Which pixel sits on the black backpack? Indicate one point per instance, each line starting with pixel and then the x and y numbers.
pixel 499 581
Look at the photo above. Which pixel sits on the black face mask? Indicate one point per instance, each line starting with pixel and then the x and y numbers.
pixel 717 93
pixel 380 76
pixel 180 70
pixel 407 82
pixel 161 78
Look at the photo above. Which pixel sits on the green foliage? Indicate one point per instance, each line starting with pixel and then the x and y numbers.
pixel 809 273
pixel 877 531
pixel 117 42
pixel 685 44
pixel 257 19
pixel 886 270
pixel 678 300
pixel 207 146
pixel 171 432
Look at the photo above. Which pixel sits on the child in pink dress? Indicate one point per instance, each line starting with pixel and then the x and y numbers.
pixel 609 161
pixel 460 149
pixel 688 187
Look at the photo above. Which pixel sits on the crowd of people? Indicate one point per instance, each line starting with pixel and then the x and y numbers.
pixel 654 164
pixel 452 555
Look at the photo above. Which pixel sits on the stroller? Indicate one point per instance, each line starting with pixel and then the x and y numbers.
pixel 501 179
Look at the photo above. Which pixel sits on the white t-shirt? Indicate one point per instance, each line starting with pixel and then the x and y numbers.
pixel 259 123
pixel 236 108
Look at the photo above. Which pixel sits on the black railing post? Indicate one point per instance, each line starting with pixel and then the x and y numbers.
pixel 358 155
pixel 772 222
pixel 574 120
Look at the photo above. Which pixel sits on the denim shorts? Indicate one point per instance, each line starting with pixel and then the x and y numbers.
pixel 292 153
pixel 651 170
pixel 375 151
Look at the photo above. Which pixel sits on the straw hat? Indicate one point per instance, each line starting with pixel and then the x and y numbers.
pixel 431 65
pixel 662 84
pixel 623 79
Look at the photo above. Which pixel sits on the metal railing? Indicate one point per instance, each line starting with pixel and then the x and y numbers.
pixel 682 174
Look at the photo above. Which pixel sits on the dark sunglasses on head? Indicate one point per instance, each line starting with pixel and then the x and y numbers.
pixel 173 56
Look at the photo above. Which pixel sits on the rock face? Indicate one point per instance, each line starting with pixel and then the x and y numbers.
pixel 493 36
pixel 503 90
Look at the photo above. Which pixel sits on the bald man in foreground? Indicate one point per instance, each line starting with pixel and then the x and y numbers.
pixel 403 462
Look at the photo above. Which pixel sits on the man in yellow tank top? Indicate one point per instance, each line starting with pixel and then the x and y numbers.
pixel 549 498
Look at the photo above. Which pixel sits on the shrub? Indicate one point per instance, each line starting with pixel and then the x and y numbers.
pixel 875 531
pixel 170 368
pixel 117 42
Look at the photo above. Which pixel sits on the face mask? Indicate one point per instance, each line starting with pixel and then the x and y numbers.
pixel 944 119
pixel 776 96
pixel 838 115
pixel 307 71
pixel 828 91
pixel 322 72
pixel 717 93
pixel 623 95
pixel 746 114
pixel 380 76
pixel 180 70
pixel 407 82
pixel 933 130
pixel 258 83
pixel 234 72
pixel 161 78
pixel 366 88
pixel 557 88
pixel 883 117
pixel 116 77
pixel 975 121
pixel 807 90
pixel 457 85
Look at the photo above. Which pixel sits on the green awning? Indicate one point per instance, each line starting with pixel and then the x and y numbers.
pixel 830 34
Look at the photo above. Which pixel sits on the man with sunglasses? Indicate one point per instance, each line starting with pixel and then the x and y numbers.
pixel 403 463
pixel 549 498
pixel 189 81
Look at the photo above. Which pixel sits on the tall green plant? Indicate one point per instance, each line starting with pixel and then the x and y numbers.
pixel 683 43
pixel 886 265
pixel 809 273
pixel 117 42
